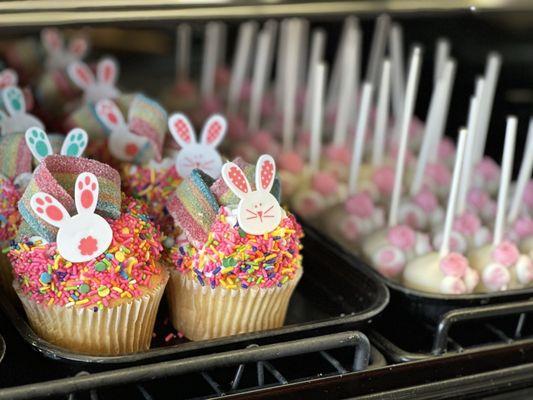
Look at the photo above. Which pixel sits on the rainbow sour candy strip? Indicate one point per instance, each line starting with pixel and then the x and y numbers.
pixel 56 175
pixel 15 156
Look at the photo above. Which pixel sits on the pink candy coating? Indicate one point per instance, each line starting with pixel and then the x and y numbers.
pixel 291 162
pixel 496 277
pixel 402 236
pixel 383 178
pixel 438 174
pixel 454 264
pixel 528 194
pixel 506 253
pixel 467 223
pixel 325 183
pixel 524 227
pixel 452 285
pixel 338 153
pixel 360 204
pixel 262 141
pixel 477 197
pixel 426 200
pixel 488 169
pixel 446 148
pixel 390 261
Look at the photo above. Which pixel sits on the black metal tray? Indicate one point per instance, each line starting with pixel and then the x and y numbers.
pixel 332 296
pixel 429 306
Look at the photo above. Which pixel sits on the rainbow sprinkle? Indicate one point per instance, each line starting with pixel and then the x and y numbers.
pixel 121 272
pixel 234 259
pixel 9 213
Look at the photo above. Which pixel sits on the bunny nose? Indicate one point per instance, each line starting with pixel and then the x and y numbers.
pixel 260 213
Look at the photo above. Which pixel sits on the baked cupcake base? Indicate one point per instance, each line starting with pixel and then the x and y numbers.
pixel 201 312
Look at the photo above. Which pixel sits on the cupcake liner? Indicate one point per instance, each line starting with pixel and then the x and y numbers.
pixel 6 273
pixel 202 313
pixel 124 328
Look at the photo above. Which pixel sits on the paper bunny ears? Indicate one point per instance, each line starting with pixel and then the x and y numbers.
pixel 258 211
pixel 74 144
pixel 59 56
pixel 81 237
pixel 194 155
pixel 17 119
pixel 95 88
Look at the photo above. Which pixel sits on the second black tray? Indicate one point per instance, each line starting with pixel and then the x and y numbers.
pixel 331 296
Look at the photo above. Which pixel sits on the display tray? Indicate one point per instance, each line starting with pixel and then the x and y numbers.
pixel 331 296
pixel 431 307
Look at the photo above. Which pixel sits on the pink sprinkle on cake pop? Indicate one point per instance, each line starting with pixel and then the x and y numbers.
pixel 360 204
pixel 528 194
pixel 524 227
pixel 446 149
pixel 506 253
pixel 467 224
pixel 438 173
pixel 426 200
pixel 454 264
pixel 262 141
pixel 402 236
pixel 488 169
pixel 324 183
pixel 291 162
pixel 383 178
pixel 339 153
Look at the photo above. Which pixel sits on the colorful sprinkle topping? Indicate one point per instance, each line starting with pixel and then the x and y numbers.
pixel 234 259
pixel 9 213
pixel 126 267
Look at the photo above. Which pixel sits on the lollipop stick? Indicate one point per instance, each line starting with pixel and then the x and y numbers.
pixel 452 197
pixel 281 61
pixel 505 178
pixel 523 176
pixel 222 39
pixel 289 106
pixel 317 53
pixel 317 115
pixel 259 80
pixel 183 52
pixel 410 98
pixel 209 64
pixel 382 117
pixel 441 55
pixel 360 133
pixel 377 49
pixel 302 50
pixel 398 77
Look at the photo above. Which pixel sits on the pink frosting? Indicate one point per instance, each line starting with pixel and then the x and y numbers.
pixel 506 253
pixel 291 162
pixel 383 178
pixel 524 227
pixel 402 236
pixel 454 264
pixel 325 183
pixel 488 169
pixel 478 198
pixel 338 153
pixel 426 200
pixel 446 148
pixel 360 204
pixel 390 262
pixel 262 141
pixel 467 223
pixel 452 285
pixel 438 173
pixel 496 277
pixel 528 194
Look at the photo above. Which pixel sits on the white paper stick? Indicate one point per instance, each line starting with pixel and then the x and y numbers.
pixel 317 53
pixel 377 50
pixel 183 52
pixel 398 77
pixel 523 176
pixel 441 55
pixel 354 98
pixel 382 116
pixel 240 64
pixel 344 104
pixel 302 51
pixel 289 104
pixel 350 23
pixel 505 178
pixel 409 105
pixel 209 63
pixel 271 27
pixel 360 133
pixel 452 197
pixel 430 130
pixel 317 116
pixel 442 111
pixel 258 81
pixel 222 42
pixel 467 161
pixel 485 108
pixel 281 62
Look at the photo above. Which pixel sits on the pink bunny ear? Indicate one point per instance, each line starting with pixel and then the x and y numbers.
pixel 109 113
pixel 8 77
pixel 52 39
pixel 181 130
pixel 265 172
pixel 81 74
pixel 214 130
pixel 78 46
pixel 107 71
pixel 86 193
pixel 236 179
pixel 49 209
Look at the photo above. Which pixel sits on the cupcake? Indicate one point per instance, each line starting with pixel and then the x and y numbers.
pixel 242 261
pixel 90 282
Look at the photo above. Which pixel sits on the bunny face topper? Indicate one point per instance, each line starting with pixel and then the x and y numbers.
pixel 17 119
pixel 74 144
pixel 8 77
pixel 59 56
pixel 84 236
pixel 95 88
pixel 123 144
pixel 194 155
pixel 258 212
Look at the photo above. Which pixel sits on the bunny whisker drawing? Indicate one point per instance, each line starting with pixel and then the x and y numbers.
pixel 194 155
pixel 266 213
